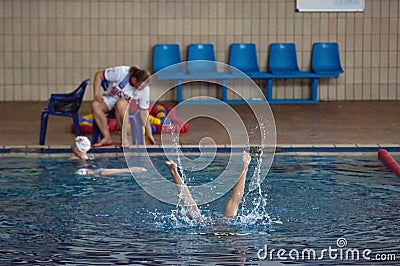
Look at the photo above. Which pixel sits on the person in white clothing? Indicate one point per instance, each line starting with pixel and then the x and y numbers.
pixel 126 84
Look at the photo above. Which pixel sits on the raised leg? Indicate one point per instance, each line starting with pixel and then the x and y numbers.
pixel 190 205
pixel 238 191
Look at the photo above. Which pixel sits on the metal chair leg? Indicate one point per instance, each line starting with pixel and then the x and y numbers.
pixel 43 127
pixel 75 118
pixel 136 129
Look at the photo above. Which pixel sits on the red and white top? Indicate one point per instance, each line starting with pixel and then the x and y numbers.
pixel 120 88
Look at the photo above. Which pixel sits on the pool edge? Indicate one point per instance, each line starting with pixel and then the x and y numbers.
pixel 300 149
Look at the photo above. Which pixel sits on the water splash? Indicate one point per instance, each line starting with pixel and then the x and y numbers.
pixel 255 211
pixel 177 219
pixel 253 208
pixel 257 179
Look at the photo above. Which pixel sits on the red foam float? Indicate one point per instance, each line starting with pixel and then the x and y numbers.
pixel 177 126
pixel 389 162
pixel 86 128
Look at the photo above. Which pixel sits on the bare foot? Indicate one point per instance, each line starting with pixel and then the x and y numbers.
pixel 138 169
pixel 103 142
pixel 151 140
pixel 246 158
pixel 125 145
pixel 171 165
pixel 173 168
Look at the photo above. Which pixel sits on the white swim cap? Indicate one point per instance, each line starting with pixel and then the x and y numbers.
pixel 82 171
pixel 82 143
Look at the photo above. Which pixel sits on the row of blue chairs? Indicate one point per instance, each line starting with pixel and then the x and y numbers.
pixel 282 64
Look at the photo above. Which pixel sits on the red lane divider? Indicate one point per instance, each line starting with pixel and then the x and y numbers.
pixel 389 162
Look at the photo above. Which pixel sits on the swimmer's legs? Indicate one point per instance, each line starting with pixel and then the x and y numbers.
pixel 188 202
pixel 112 171
pixel 238 191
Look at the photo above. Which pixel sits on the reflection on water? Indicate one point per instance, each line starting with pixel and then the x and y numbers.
pixel 48 215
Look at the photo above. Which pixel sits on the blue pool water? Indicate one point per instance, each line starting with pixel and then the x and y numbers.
pixel 51 216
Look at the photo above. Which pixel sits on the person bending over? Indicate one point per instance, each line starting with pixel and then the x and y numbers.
pixel 190 205
pixel 126 84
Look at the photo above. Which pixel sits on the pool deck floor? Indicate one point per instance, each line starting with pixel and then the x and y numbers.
pixel 362 123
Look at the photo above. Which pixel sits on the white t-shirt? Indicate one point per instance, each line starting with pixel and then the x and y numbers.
pixel 121 89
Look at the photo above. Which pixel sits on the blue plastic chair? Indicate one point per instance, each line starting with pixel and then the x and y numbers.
pixel 166 56
pixel 63 105
pixel 243 56
pixel 282 63
pixel 202 65
pixel 167 65
pixel 283 58
pixel 201 59
pixel 326 59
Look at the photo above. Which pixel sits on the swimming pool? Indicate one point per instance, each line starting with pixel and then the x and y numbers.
pixel 49 215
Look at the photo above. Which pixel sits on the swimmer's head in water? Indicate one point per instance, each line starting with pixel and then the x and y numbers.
pixel 81 171
pixel 82 143
pixel 85 171
pixel 81 147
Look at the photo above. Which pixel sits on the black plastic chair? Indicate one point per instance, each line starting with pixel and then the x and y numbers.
pixel 63 105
